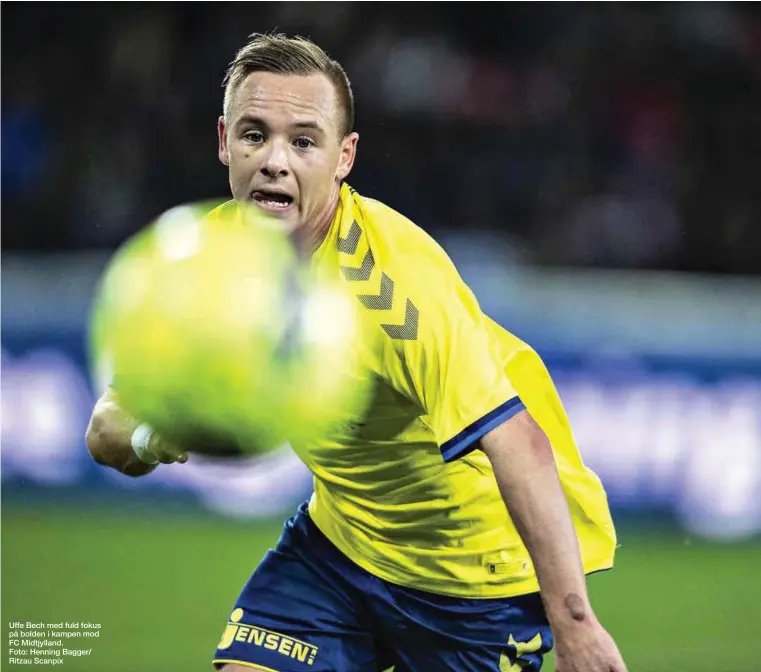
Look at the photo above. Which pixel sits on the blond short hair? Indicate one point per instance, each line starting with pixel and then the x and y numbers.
pixel 283 55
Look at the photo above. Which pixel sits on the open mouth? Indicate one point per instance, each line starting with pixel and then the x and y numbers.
pixel 272 200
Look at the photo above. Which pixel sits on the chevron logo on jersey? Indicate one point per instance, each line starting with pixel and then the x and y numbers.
pixel 384 299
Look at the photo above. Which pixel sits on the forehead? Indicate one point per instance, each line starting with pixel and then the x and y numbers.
pixel 285 99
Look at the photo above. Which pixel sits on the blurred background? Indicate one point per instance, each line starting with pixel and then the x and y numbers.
pixel 593 170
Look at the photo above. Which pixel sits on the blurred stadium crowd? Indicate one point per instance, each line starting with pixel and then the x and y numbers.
pixel 613 135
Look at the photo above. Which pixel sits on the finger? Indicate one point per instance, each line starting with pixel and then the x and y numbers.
pixel 182 458
pixel 167 455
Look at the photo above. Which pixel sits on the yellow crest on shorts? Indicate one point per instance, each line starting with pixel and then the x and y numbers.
pixel 532 646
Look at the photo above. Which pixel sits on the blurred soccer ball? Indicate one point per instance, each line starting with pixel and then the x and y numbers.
pixel 212 331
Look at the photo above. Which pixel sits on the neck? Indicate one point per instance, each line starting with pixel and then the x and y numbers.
pixel 309 237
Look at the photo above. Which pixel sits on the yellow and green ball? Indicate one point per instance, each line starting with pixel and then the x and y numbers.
pixel 213 332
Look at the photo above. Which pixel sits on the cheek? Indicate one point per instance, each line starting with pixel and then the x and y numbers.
pixel 321 176
pixel 318 190
pixel 240 155
pixel 240 173
pixel 242 163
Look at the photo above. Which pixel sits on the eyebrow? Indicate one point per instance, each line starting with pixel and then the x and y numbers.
pixel 249 119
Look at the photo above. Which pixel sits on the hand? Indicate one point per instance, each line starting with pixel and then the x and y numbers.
pixel 586 647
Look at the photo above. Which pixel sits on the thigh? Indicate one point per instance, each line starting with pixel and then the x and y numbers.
pixel 423 632
pixel 300 610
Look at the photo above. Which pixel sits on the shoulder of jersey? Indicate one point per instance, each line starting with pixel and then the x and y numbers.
pixel 391 265
pixel 401 244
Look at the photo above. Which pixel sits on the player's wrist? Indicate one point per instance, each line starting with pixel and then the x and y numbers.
pixel 141 444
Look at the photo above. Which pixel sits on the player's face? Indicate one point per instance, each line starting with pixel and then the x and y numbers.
pixel 283 144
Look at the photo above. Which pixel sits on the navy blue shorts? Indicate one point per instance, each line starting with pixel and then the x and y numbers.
pixel 308 607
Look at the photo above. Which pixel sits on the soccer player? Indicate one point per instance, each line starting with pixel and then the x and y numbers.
pixel 453 523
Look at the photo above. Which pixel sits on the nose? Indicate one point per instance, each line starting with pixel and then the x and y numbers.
pixel 275 160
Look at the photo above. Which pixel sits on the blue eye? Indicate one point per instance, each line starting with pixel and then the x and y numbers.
pixel 254 136
pixel 303 143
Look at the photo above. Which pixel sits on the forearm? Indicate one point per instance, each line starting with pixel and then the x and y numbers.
pixel 528 479
pixel 109 438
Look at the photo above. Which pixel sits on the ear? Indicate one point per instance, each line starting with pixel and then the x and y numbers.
pixel 348 154
pixel 224 154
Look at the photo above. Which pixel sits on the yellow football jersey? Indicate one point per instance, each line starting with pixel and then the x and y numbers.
pixel 402 489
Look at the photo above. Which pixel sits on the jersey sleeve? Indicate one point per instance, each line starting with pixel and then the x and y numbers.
pixel 454 370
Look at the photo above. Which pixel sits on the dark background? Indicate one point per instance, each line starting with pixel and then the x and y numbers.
pixel 613 135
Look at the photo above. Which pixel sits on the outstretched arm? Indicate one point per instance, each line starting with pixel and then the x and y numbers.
pixel 525 469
